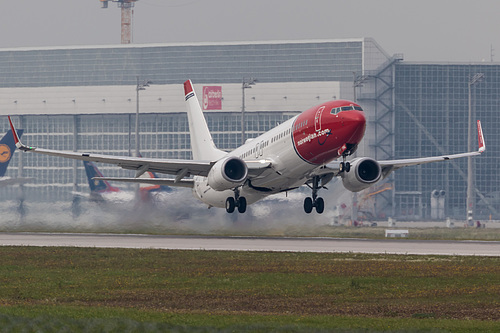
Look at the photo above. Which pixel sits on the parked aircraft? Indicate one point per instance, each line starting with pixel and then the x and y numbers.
pixel 103 191
pixel 303 150
pixel 7 149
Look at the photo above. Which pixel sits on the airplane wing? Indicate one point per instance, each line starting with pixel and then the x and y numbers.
pixel 14 181
pixel 141 165
pixel 178 168
pixel 391 165
pixel 255 168
pixel 388 166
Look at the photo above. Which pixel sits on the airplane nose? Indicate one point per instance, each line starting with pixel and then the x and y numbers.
pixel 356 122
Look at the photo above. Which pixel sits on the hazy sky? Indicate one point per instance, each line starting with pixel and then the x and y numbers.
pixel 425 30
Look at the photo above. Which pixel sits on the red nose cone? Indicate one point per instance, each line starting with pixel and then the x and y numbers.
pixel 325 132
pixel 355 121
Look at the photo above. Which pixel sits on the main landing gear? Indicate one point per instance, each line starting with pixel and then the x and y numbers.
pixel 237 201
pixel 318 202
pixel 315 201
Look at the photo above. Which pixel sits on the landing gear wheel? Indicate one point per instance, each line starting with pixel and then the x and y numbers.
pixel 344 167
pixel 308 205
pixel 230 205
pixel 242 204
pixel 320 205
pixel 315 201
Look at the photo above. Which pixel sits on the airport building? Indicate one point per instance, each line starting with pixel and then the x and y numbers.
pixel 88 98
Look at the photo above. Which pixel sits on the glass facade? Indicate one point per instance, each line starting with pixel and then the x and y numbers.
pixel 224 63
pixel 431 117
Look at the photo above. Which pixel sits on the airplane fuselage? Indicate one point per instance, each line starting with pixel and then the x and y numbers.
pixel 296 147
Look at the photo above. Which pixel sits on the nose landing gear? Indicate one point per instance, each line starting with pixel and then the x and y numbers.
pixel 344 166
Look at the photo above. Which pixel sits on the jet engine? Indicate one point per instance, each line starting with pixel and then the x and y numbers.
pixel 227 173
pixel 364 173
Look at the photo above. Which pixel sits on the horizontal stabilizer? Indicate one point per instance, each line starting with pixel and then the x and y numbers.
pixel 152 181
pixel 15 181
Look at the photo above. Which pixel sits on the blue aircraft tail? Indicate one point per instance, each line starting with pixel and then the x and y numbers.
pixel 7 149
pixel 97 186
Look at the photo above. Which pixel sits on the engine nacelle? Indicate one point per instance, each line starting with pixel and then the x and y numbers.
pixel 227 173
pixel 364 173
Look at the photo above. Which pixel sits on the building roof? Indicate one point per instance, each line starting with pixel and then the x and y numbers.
pixel 269 61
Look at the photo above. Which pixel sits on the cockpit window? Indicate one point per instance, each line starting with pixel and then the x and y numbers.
pixel 346 108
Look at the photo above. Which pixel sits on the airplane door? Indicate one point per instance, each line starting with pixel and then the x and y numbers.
pixel 259 149
pixel 317 119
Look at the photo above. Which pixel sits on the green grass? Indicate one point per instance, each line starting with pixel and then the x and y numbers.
pixel 72 319
pixel 114 290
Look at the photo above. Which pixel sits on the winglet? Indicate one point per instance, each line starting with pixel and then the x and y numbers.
pixel 14 133
pixel 188 89
pixel 18 142
pixel 482 145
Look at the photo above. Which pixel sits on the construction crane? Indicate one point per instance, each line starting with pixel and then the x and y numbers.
pixel 127 13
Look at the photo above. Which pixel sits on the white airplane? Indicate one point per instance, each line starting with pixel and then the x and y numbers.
pixel 303 150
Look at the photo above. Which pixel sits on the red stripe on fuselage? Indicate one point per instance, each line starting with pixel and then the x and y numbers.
pixel 320 135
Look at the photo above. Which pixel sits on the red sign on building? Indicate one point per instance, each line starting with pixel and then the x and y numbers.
pixel 212 98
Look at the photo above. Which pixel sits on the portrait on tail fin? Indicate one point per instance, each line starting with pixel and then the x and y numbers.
pixel 7 149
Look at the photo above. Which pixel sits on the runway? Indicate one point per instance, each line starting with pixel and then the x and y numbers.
pixel 285 244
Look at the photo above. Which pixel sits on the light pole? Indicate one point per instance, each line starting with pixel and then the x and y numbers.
pixel 358 81
pixel 247 84
pixel 140 86
pixel 473 80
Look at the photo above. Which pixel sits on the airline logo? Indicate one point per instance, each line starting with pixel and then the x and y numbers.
pixel 212 98
pixel 317 119
pixel 4 153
